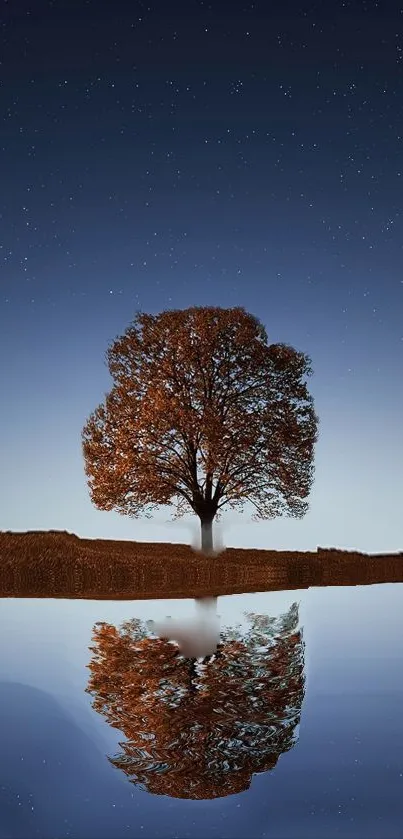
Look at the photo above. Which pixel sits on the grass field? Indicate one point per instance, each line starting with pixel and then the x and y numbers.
pixel 60 564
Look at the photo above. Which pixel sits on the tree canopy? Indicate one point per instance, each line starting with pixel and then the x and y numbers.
pixel 203 413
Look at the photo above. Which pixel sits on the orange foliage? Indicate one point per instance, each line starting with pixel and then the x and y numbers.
pixel 199 731
pixel 202 413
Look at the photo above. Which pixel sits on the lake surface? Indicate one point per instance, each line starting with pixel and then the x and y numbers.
pixel 293 730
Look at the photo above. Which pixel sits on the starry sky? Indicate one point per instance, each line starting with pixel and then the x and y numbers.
pixel 159 155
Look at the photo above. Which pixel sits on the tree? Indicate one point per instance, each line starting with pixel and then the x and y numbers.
pixel 200 731
pixel 203 413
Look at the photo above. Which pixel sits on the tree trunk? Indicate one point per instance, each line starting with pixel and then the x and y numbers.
pixel 193 674
pixel 207 537
pixel 208 602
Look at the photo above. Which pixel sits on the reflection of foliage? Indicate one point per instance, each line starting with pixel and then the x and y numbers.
pixel 200 730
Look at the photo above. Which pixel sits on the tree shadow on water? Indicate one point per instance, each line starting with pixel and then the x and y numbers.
pixel 200 728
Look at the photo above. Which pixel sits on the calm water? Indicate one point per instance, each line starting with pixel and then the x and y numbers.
pixel 294 730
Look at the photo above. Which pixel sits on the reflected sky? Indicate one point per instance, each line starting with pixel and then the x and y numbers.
pixel 343 777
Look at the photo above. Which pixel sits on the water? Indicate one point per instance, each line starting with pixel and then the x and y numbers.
pixel 294 731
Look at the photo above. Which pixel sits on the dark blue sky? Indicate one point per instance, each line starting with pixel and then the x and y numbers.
pixel 162 155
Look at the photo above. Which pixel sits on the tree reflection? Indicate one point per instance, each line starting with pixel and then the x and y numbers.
pixel 200 730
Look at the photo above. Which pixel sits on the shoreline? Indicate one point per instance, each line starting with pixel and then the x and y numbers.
pixel 58 564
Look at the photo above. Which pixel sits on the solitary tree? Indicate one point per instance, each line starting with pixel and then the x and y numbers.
pixel 203 412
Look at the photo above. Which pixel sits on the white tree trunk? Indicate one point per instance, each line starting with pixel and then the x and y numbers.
pixel 207 537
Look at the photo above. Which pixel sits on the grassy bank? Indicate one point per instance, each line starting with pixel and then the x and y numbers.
pixel 60 564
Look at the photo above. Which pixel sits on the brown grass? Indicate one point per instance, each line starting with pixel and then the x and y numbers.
pixel 60 564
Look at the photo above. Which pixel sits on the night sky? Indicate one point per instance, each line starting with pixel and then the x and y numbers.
pixel 169 154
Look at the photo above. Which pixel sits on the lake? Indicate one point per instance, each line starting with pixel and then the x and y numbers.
pixel 292 729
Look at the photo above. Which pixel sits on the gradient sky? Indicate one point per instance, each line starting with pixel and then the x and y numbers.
pixel 164 155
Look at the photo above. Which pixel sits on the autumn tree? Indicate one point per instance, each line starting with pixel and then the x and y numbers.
pixel 203 413
pixel 200 731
